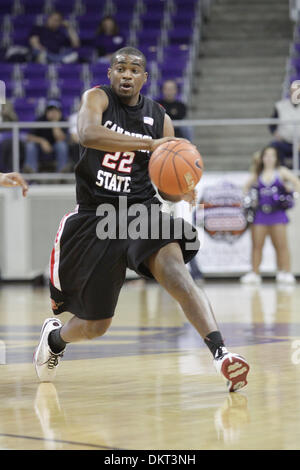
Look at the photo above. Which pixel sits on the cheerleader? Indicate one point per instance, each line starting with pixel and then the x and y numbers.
pixel 274 185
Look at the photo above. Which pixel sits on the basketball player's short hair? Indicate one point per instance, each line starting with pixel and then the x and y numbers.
pixel 129 51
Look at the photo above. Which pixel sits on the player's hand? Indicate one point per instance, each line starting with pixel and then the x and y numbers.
pixel 190 197
pixel 157 142
pixel 13 179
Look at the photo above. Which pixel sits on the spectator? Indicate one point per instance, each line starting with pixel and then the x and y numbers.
pixel 47 145
pixel 8 114
pixel 283 134
pixel 272 182
pixel 54 41
pixel 108 38
pixel 175 108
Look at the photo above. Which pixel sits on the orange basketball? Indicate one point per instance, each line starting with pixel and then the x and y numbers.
pixel 175 167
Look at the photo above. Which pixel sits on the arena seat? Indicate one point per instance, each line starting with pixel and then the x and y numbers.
pixel 33 70
pixel 162 30
pixel 35 87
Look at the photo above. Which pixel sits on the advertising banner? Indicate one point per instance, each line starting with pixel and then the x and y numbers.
pixel 224 230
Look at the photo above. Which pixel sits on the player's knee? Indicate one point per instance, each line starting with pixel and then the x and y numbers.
pixel 94 329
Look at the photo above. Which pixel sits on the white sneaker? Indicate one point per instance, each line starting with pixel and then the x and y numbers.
pixel 284 277
pixel 233 367
pixel 250 278
pixel 44 359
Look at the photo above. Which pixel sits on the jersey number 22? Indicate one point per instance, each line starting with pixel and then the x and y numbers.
pixel 120 161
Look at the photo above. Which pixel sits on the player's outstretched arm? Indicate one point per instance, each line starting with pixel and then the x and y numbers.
pixel 13 179
pixel 94 135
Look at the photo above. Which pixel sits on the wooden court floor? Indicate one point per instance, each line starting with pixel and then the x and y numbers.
pixel 149 383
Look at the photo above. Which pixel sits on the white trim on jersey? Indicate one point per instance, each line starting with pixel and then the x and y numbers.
pixel 55 254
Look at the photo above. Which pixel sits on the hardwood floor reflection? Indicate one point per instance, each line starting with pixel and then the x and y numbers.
pixel 149 383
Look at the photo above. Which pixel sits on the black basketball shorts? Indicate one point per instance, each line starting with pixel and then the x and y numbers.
pixel 87 272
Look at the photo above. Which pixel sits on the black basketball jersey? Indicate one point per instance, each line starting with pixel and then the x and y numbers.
pixel 104 176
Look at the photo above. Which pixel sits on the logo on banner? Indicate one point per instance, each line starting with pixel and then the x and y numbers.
pixel 224 217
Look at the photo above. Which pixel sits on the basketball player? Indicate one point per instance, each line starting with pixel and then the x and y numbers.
pixel 118 129
pixel 10 180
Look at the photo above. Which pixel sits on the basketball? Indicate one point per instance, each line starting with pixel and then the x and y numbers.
pixel 176 167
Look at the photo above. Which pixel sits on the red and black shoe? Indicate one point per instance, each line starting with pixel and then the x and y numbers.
pixel 233 367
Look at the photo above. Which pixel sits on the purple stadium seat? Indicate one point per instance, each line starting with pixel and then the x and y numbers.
pixel 123 20
pixel 176 50
pixel 182 19
pixel 86 53
pixel 67 103
pixel 99 69
pixel 35 87
pixel 297 47
pixel 121 5
pixel 66 7
pixel 33 6
pixel 152 5
pixel 295 62
pixel 2 52
pixel 185 5
pixel 88 21
pixel 148 37
pixel 9 88
pixel 71 87
pixel 294 77
pixel 87 36
pixel 26 115
pixel 151 20
pixel 123 16
pixel 172 69
pixel 145 88
pixel 20 36
pixel 6 71
pixel 25 108
pixel 66 111
pixel 66 71
pixel 180 35
pixel 149 52
pixel 93 6
pixel 6 7
pixel 2 16
pixel 167 74
pixel 33 70
pixel 23 21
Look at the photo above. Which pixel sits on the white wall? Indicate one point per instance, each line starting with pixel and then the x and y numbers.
pixel 28 227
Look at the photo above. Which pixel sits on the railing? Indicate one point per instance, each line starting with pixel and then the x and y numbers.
pixel 16 126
